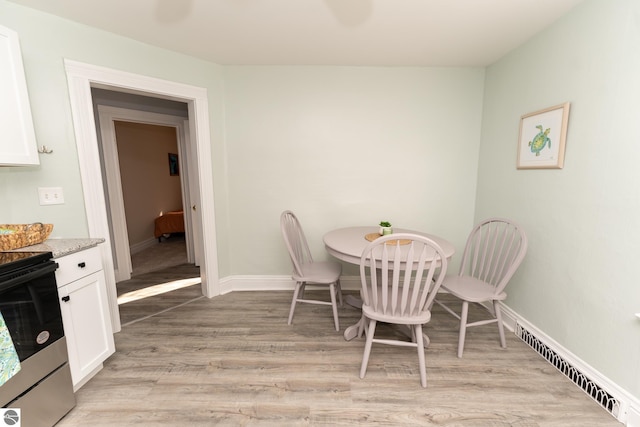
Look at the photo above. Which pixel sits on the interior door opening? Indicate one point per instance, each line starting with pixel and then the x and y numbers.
pixel 81 79
pixel 147 170
pixel 147 164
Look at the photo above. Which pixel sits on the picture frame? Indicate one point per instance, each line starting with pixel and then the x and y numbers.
pixel 542 138
pixel 174 168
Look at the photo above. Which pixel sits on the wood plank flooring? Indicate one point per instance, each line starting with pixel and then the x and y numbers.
pixel 233 361
pixel 158 287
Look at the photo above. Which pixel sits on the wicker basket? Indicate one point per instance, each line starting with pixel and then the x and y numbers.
pixel 23 235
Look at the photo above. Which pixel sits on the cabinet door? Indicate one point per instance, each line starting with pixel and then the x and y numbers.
pixel 87 326
pixel 18 142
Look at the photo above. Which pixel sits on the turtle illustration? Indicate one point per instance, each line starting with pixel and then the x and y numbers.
pixel 540 140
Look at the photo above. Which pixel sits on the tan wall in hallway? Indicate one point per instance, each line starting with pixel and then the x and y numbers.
pixel 147 187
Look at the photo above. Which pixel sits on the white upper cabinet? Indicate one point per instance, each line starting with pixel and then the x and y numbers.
pixel 17 137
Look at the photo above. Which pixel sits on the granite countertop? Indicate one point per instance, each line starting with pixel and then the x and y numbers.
pixel 61 247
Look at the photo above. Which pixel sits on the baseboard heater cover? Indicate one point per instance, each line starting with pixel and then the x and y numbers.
pixel 594 390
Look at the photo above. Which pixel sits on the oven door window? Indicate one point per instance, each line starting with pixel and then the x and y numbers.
pixel 31 312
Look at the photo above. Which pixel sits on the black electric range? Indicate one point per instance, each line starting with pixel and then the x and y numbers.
pixel 42 388
pixel 11 262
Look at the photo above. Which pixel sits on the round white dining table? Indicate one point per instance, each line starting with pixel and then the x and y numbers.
pixel 347 244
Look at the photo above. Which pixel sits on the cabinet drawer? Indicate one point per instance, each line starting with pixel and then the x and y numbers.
pixel 78 265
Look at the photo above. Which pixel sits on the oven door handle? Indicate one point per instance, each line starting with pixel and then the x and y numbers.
pixel 45 269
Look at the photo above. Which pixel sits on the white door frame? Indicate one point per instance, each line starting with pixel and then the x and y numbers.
pixel 190 187
pixel 107 116
pixel 81 77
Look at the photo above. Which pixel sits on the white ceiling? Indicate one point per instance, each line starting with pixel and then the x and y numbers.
pixel 322 32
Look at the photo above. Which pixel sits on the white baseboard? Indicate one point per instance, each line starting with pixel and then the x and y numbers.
pixel 629 411
pixel 274 283
pixel 633 417
pixel 140 246
pixel 629 406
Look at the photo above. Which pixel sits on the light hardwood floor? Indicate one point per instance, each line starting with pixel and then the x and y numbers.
pixel 172 251
pixel 233 361
pixel 150 293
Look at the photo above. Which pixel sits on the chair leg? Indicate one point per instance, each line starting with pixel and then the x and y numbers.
pixel 339 288
pixel 362 326
pixel 498 313
pixel 367 347
pixel 301 292
pixel 463 327
pixel 332 291
pixel 296 291
pixel 417 331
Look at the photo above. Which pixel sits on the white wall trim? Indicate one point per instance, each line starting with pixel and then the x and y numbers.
pixel 274 283
pixel 633 417
pixel 629 405
pixel 81 77
pixel 121 253
pixel 141 246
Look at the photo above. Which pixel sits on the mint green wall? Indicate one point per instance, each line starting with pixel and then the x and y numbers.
pixel 46 41
pixel 344 146
pixel 579 281
pixel 327 142
pixel 340 146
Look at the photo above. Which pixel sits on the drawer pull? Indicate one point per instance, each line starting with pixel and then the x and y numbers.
pixel 66 298
pixel 82 265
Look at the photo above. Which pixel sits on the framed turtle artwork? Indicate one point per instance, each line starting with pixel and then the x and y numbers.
pixel 543 135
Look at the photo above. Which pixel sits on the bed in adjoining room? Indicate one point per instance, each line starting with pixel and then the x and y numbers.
pixel 169 223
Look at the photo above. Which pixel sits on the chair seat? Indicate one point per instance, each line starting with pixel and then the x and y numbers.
pixel 321 272
pixel 471 289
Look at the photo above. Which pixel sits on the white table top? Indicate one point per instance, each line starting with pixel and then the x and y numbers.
pixel 347 244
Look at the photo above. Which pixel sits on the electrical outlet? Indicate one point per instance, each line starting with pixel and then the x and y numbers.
pixel 50 195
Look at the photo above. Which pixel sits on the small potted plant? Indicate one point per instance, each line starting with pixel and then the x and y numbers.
pixel 385 228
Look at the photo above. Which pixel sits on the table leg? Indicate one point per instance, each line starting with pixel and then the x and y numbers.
pixel 354 330
pixel 426 340
pixel 353 301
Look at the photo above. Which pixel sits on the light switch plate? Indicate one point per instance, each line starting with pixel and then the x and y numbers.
pixel 50 195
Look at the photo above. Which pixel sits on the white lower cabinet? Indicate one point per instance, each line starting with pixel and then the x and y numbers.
pixel 85 313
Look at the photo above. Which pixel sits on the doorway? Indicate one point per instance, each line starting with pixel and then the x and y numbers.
pixel 154 189
pixel 81 78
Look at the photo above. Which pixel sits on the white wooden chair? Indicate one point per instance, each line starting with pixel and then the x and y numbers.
pixel 306 271
pixel 404 274
pixel 494 250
